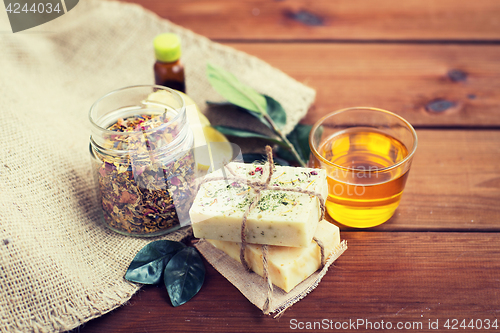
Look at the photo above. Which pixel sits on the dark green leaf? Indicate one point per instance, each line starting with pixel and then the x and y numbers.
pixel 274 109
pixel 184 275
pixel 235 107
pixel 236 92
pixel 241 133
pixel 149 263
pixel 276 112
pixel 210 103
pixel 251 158
pixel 299 138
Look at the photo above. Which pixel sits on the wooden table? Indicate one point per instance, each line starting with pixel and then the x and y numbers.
pixel 436 63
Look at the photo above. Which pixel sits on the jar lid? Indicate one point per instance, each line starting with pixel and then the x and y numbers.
pixel 167 47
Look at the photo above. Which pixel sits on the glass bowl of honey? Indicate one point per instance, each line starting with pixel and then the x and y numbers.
pixel 367 154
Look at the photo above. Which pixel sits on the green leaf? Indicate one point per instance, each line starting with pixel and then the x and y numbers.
pixel 276 112
pixel 237 108
pixel 223 103
pixel 241 133
pixel 251 158
pixel 149 263
pixel 184 275
pixel 236 92
pixel 299 138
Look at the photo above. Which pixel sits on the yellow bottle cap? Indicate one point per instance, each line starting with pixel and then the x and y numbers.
pixel 167 47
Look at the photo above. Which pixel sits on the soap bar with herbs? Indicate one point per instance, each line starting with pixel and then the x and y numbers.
pixel 279 218
pixel 288 266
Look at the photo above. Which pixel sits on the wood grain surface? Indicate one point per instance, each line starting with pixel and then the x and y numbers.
pixel 429 85
pixel 416 20
pixel 395 277
pixel 436 63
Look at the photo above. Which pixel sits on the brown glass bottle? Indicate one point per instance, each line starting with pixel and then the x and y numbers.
pixel 168 69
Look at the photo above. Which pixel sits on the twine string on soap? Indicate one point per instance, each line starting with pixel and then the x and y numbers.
pixel 321 249
pixel 258 187
pixel 265 270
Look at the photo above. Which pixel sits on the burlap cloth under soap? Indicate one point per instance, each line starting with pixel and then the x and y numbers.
pixel 58 267
pixel 253 286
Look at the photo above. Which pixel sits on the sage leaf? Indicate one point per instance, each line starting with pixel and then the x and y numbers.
pixel 241 133
pixel 184 275
pixel 261 158
pixel 276 112
pixel 148 264
pixel 223 103
pixel 299 138
pixel 237 109
pixel 229 87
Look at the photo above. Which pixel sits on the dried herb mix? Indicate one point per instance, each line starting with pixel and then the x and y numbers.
pixel 145 192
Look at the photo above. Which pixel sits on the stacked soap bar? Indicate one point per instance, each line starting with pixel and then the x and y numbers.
pixel 280 217
pixel 288 266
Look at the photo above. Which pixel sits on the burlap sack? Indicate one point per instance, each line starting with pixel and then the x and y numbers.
pixel 58 266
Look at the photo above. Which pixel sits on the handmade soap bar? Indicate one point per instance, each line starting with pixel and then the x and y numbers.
pixel 288 266
pixel 280 218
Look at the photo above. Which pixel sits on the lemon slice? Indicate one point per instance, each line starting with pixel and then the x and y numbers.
pixel 203 119
pixel 220 147
pixel 217 151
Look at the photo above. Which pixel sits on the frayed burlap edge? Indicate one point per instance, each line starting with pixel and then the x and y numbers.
pixel 58 267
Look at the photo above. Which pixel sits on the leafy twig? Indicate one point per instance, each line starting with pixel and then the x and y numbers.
pixel 284 138
pixel 265 108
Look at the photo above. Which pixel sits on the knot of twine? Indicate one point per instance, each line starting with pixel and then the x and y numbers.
pixel 258 187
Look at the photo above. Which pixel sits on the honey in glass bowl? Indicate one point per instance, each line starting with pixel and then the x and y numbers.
pixel 367 155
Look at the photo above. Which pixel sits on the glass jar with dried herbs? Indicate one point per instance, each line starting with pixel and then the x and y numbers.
pixel 141 151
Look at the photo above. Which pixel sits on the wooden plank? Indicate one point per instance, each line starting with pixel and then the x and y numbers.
pixel 454 183
pixel 429 85
pixel 334 19
pixel 394 277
